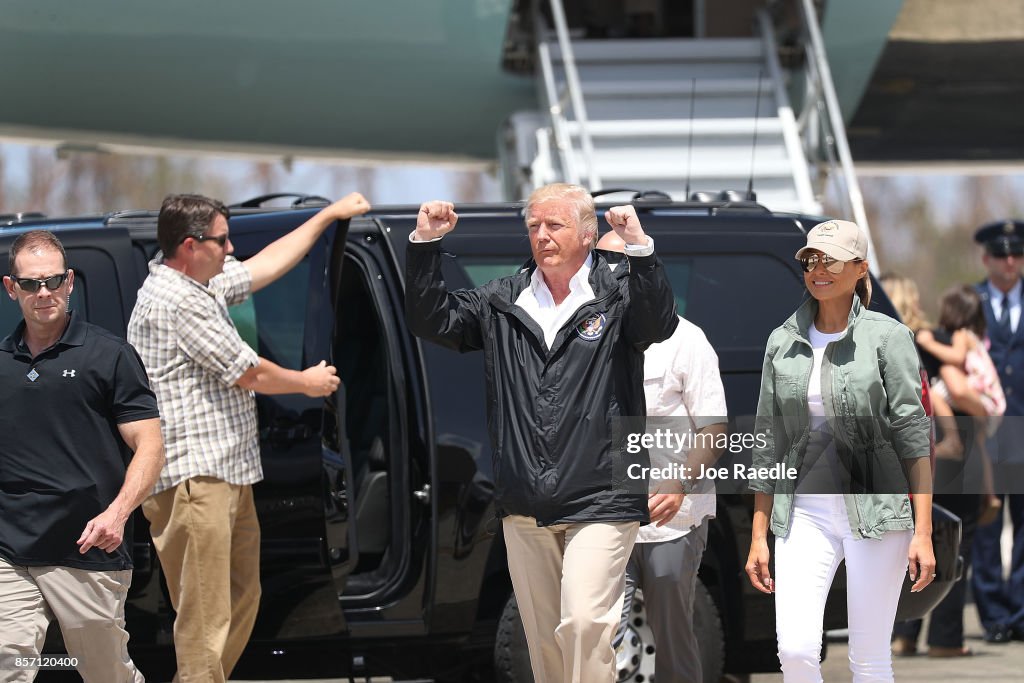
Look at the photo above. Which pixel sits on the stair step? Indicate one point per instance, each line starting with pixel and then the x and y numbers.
pixel 665 127
pixel 701 154
pixel 621 167
pixel 662 50
pixel 669 107
pixel 667 71
pixel 705 87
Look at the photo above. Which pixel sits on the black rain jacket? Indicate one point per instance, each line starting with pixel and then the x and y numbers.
pixel 551 412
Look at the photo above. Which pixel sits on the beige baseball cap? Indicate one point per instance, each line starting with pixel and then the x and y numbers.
pixel 842 240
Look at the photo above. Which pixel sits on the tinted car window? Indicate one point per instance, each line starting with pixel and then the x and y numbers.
pixel 737 299
pixel 273 320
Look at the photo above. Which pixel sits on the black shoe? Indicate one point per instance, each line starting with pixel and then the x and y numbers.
pixel 998 634
pixel 1017 633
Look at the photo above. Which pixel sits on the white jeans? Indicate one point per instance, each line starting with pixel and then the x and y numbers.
pixel 805 564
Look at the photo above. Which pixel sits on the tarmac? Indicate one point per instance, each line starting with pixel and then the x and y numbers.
pixel 990 663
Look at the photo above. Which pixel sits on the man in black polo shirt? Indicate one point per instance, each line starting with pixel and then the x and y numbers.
pixel 76 405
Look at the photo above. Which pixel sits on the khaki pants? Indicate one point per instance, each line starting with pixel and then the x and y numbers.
pixel 88 604
pixel 208 540
pixel 569 581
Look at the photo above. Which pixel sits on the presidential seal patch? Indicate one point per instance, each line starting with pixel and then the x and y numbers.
pixel 592 328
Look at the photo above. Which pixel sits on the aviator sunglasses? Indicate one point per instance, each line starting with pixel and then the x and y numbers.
pixel 221 240
pixel 832 265
pixel 32 285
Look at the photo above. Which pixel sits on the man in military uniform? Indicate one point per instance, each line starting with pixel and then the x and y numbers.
pixel 1001 602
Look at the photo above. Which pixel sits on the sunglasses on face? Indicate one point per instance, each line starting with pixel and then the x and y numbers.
pixel 32 285
pixel 832 265
pixel 221 240
pixel 1015 253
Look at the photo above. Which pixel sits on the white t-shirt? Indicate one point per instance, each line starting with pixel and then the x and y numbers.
pixel 819 340
pixel 681 380
pixel 822 471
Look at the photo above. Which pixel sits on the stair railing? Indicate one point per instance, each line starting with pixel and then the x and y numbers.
pixel 559 122
pixel 821 123
pixel 790 129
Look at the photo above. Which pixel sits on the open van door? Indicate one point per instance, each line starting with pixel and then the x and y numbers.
pixel 307 546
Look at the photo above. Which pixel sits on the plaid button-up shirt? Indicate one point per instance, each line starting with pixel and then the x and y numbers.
pixel 194 355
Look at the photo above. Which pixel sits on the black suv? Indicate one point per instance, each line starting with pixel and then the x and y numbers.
pixel 378 551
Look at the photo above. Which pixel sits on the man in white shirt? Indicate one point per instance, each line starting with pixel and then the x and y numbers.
pixel 684 391
pixel 563 341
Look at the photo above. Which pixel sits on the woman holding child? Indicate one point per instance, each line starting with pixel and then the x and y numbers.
pixel 840 401
pixel 951 353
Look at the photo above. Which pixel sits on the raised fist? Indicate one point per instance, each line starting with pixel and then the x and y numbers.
pixel 626 225
pixel 353 204
pixel 435 219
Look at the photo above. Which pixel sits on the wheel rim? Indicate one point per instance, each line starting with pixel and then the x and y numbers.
pixel 634 657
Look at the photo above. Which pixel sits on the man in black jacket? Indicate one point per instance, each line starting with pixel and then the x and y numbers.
pixel 564 341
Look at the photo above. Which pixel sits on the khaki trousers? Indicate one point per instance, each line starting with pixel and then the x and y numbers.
pixel 208 540
pixel 569 581
pixel 88 604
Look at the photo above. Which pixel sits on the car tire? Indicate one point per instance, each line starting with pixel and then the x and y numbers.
pixel 511 655
pixel 635 656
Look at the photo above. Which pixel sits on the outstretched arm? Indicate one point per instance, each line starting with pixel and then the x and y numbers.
pixel 281 255
pixel 270 378
pixel 106 530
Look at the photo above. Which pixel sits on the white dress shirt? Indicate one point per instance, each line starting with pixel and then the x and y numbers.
pixel 999 300
pixel 540 305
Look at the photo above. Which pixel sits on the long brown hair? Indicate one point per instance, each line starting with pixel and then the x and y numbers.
pixel 960 307
pixel 863 289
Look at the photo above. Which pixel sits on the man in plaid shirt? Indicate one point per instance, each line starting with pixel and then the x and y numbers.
pixel 202 517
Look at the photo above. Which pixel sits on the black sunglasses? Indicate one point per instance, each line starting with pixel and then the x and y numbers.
pixel 32 285
pixel 221 240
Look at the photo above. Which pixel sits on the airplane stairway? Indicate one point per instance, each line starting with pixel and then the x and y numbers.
pixel 662 114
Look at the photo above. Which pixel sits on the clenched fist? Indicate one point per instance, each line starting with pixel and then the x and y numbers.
pixel 624 222
pixel 320 380
pixel 353 204
pixel 435 219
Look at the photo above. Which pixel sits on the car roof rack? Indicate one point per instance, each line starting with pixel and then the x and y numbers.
pixel 300 200
pixel 711 203
pixel 12 219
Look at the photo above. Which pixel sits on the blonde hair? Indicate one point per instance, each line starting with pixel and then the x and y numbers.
pixel 906 299
pixel 586 214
